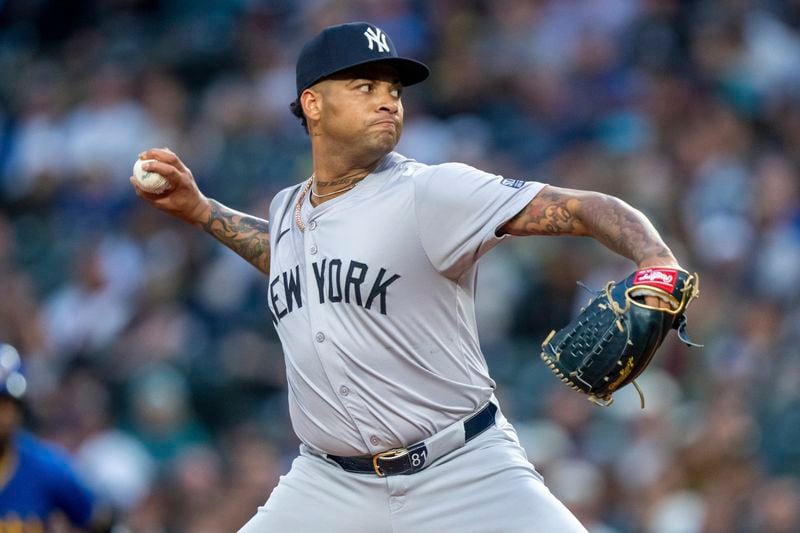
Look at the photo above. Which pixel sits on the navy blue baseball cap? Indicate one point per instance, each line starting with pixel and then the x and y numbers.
pixel 340 47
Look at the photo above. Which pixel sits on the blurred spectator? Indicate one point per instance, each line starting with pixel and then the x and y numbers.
pixel 20 324
pixel 38 157
pixel 106 128
pixel 90 311
pixel 161 415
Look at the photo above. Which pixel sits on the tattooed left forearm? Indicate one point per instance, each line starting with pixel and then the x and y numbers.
pixel 623 229
pixel 617 225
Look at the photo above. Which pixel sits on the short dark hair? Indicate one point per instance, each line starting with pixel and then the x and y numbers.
pixel 297 110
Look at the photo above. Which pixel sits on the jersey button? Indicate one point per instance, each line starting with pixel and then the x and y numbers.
pixel 312 225
pixel 313 249
pixel 320 337
pixel 374 440
pixel 343 390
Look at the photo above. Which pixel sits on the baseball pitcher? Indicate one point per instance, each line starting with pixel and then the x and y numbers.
pixel 371 266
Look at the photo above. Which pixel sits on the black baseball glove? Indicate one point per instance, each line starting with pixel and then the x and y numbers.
pixel 615 336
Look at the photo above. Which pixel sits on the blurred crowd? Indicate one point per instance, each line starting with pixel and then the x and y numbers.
pixel 148 347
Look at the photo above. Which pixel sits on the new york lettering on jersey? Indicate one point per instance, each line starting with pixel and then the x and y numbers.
pixel 348 292
pixel 337 281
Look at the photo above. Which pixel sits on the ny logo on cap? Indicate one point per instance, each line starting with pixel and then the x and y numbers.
pixel 374 35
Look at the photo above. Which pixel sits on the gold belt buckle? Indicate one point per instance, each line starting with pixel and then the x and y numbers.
pixel 388 454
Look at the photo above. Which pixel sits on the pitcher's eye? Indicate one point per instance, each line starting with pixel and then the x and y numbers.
pixel 365 87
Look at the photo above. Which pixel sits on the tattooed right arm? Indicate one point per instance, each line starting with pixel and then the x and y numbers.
pixel 246 235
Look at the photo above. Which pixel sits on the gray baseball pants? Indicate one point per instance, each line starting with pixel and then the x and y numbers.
pixel 487 486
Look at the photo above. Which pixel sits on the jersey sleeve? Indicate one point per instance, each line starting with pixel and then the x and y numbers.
pixel 459 210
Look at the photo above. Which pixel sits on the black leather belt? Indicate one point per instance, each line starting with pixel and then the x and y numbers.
pixel 403 461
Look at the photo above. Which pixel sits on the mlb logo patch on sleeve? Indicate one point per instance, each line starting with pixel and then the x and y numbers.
pixel 514 184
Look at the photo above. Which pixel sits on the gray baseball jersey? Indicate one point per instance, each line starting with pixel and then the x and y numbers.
pixel 374 302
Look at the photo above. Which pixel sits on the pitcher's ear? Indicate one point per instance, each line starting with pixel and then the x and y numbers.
pixel 311 102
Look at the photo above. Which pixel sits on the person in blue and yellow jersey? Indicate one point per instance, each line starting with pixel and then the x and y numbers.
pixel 36 479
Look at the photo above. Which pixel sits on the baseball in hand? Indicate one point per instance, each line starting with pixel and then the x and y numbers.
pixel 151 182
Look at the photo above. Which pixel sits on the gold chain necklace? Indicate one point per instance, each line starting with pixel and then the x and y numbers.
pixel 299 203
pixel 314 194
pixel 310 186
